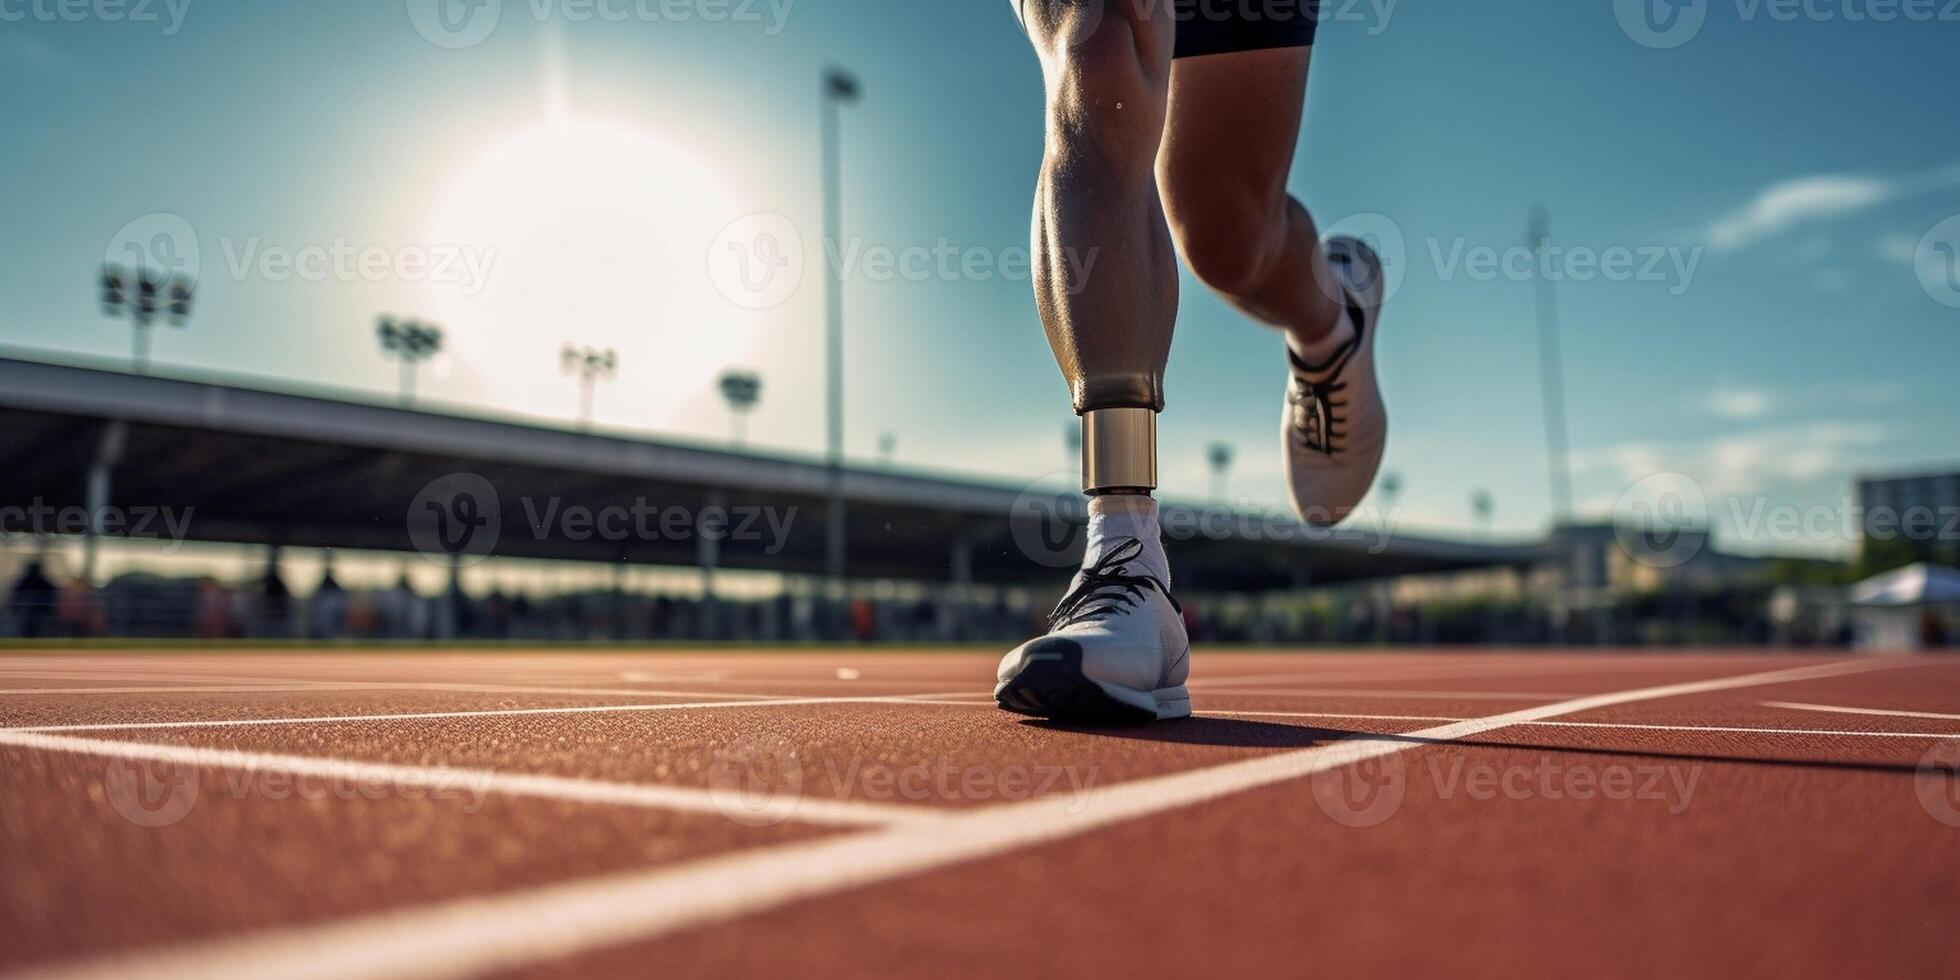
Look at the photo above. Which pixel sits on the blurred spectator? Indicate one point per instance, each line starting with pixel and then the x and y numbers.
pixel 213 610
pixel 76 610
pixel 275 601
pixel 33 601
pixel 329 607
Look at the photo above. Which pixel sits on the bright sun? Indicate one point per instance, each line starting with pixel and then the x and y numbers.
pixel 601 235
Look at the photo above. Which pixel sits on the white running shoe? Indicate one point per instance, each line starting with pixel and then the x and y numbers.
pixel 1335 426
pixel 1117 653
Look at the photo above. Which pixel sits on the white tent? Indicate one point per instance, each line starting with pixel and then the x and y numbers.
pixel 1893 611
pixel 1913 585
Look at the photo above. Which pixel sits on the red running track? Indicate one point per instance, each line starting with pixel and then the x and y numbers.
pixel 702 814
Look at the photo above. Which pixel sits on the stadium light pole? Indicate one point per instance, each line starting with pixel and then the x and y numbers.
pixel 840 88
pixel 591 365
pixel 144 294
pixel 1484 507
pixel 1220 457
pixel 1552 368
pixel 887 445
pixel 410 342
pixel 741 389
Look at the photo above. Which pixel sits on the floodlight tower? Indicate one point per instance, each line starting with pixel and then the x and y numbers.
pixel 840 88
pixel 145 294
pixel 591 365
pixel 1220 456
pixel 741 389
pixel 411 342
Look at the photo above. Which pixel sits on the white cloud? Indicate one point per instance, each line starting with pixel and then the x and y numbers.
pixel 1740 403
pixel 1749 462
pixel 1798 201
pixel 1792 202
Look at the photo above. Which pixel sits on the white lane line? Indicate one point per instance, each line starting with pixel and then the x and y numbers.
pixel 506 931
pixel 1884 712
pixel 583 709
pixel 1228 713
pixel 298 686
pixel 1427 671
pixel 1329 692
pixel 1591 724
pixel 428 779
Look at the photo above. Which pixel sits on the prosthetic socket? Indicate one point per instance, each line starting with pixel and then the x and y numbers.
pixel 1119 431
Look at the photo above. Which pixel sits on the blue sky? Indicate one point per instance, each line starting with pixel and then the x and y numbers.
pixel 1801 167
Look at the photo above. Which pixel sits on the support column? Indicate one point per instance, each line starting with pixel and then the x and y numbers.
pixel 710 528
pixel 108 451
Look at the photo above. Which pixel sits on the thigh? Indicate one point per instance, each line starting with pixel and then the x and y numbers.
pixel 1232 125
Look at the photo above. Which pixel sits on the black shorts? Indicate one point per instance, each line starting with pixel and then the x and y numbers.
pixel 1225 26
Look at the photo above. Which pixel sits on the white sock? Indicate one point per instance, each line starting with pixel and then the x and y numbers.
pixel 1115 518
pixel 1324 348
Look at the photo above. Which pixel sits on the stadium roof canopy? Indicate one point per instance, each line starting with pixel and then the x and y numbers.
pixel 266 467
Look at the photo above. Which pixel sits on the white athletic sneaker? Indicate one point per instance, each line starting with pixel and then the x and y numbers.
pixel 1117 653
pixel 1335 426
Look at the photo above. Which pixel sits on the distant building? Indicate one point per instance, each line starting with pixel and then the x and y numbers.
pixel 1910 518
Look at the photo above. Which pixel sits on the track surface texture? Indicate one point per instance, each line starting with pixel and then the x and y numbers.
pixel 837 813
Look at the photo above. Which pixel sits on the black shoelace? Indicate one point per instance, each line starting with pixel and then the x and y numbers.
pixel 1107 587
pixel 1319 408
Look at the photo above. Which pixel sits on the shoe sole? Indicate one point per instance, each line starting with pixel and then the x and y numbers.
pixel 1052 685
